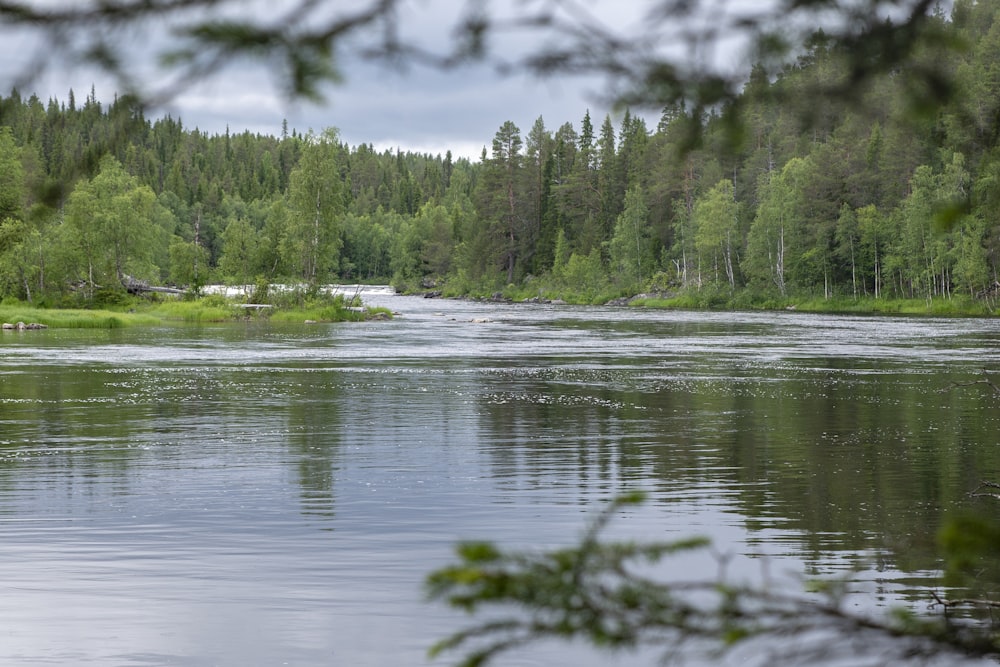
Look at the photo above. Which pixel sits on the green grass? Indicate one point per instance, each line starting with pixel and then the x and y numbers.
pixel 329 314
pixel 316 314
pixel 960 306
pixel 954 307
pixel 73 318
pixel 209 309
pixel 687 301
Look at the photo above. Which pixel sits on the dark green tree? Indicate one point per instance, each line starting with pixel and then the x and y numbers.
pixel 503 205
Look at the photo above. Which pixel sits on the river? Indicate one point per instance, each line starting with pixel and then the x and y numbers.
pixel 255 494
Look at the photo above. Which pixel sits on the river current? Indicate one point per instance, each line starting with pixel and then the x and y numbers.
pixel 257 494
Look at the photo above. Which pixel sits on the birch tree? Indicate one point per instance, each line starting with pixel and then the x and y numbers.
pixel 630 248
pixel 717 231
pixel 114 236
pixel 316 206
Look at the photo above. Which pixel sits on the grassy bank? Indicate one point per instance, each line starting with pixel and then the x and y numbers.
pixel 73 318
pixel 526 292
pixel 722 299
pixel 662 291
pixel 945 307
pixel 218 309
pixel 208 309
pixel 330 314
pixel 942 307
pixel 141 312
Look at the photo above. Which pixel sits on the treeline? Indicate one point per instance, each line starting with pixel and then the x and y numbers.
pixel 779 196
pixel 90 194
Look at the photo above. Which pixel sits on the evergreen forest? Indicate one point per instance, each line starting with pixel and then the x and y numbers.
pixel 778 199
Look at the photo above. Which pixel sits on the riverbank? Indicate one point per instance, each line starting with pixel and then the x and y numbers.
pixel 216 308
pixel 724 301
pixel 941 307
pixel 73 318
pixel 207 309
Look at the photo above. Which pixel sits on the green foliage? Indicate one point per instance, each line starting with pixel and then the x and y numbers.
pixel 330 313
pixel 630 249
pixel 261 291
pixel 110 216
pixel 302 306
pixel 205 309
pixel 865 199
pixel 12 194
pixel 584 276
pixel 716 236
pixel 241 252
pixel 189 264
pixel 774 243
pixel 113 297
pixel 311 241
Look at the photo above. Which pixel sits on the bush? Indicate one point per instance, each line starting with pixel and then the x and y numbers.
pixel 112 298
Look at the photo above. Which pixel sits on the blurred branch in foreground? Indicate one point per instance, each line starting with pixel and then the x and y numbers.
pixel 607 594
pixel 668 51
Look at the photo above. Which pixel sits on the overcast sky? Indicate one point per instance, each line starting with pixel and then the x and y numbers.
pixel 419 109
pixel 422 110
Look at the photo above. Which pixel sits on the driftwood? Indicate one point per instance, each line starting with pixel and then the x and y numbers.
pixel 21 326
pixel 134 286
pixel 986 380
pixel 979 492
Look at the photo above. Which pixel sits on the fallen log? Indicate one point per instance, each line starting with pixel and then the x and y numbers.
pixel 134 286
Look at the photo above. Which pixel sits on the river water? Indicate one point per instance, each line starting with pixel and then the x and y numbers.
pixel 254 494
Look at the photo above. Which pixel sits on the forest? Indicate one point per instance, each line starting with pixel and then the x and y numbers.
pixel 773 200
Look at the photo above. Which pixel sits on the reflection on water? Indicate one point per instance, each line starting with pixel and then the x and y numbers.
pixel 255 494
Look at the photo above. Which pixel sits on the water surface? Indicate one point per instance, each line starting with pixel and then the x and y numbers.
pixel 259 494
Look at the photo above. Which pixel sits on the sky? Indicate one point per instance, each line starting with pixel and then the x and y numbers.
pixel 423 111
pixel 418 109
